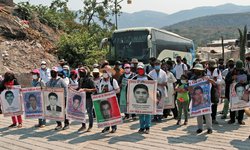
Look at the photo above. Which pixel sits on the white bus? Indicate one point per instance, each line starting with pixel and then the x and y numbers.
pixel 145 42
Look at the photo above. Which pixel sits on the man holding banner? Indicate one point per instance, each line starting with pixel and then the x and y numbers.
pixel 200 88
pixel 142 98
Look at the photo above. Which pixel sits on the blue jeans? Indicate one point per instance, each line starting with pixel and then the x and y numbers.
pixel 145 121
pixel 41 121
pixel 89 107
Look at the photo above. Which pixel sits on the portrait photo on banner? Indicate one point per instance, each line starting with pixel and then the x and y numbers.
pixel 11 102
pixel 142 97
pixel 239 96
pixel 76 105
pixel 107 109
pixel 200 98
pixel 33 102
pixel 54 103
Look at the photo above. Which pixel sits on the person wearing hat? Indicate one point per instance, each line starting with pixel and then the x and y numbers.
pixel 66 69
pixel 118 70
pixel 230 67
pixel 86 84
pixel 73 79
pixel 133 66
pixel 221 65
pixel 144 119
pixel 57 82
pixel 215 74
pixel 128 74
pixel 38 82
pixel 160 77
pixel 199 73
pixel 96 77
pixel 44 72
pixel 233 77
pixel 108 84
pixel 61 63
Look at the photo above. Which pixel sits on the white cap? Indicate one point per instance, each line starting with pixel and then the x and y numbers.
pixel 95 70
pixel 43 62
pixel 140 65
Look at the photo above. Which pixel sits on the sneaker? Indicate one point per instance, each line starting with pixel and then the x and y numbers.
pixel 12 125
pixel 209 131
pixel 242 123
pixel 178 122
pixel 81 129
pixel 215 122
pixel 113 131
pixel 125 118
pixel 66 127
pixel 37 126
pixel 147 131
pixel 105 130
pixel 199 131
pixel 58 127
pixel 223 117
pixel 230 122
pixel 185 123
pixel 42 126
pixel 89 129
pixel 141 131
pixel 20 125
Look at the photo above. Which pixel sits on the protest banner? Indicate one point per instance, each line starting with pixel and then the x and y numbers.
pixel 239 96
pixel 123 96
pixel 76 106
pixel 200 97
pixel 11 102
pixel 54 104
pixel 33 102
pixel 169 100
pixel 160 101
pixel 141 97
pixel 106 109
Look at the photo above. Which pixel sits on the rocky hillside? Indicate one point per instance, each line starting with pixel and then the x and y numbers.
pixel 24 44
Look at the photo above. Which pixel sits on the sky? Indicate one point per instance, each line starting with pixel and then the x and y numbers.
pixel 165 6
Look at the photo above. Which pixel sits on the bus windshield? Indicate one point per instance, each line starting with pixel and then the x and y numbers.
pixel 130 44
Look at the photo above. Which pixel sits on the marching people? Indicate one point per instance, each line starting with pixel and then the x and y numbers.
pixel 160 77
pixel 86 84
pixel 123 86
pixel 38 82
pixel 44 72
pixel 199 73
pixel 57 82
pixel 8 82
pixel 144 119
pixel 108 84
pixel 134 62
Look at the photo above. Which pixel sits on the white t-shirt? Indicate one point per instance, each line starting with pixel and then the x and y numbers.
pixel 107 85
pixel 215 74
pixel 179 70
pixel 160 78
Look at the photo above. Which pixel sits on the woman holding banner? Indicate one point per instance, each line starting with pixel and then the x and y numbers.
pixel 108 84
pixel 8 82
pixel 145 119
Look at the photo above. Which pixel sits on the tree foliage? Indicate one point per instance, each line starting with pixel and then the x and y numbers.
pixel 242 42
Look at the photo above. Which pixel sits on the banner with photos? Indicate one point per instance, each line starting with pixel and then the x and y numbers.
pixel 106 109
pixel 141 97
pixel 54 104
pixel 11 102
pixel 76 106
pixel 33 102
pixel 200 97
pixel 239 96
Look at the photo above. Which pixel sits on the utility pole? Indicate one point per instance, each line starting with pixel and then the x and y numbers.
pixel 222 45
pixel 116 11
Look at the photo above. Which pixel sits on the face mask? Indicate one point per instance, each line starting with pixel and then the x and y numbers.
pixel 105 75
pixel 43 66
pixel 96 75
pixel 127 70
pixel 198 73
pixel 157 67
pixel 132 65
pixel 53 74
pixel 183 81
pixel 141 72
pixel 178 61
pixel 82 74
pixel 231 65
pixel 34 77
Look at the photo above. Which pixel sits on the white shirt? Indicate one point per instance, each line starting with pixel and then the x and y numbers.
pixel 179 70
pixel 160 78
pixel 215 74
pixel 107 83
pixel 45 74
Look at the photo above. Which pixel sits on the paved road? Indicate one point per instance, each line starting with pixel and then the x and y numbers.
pixel 165 135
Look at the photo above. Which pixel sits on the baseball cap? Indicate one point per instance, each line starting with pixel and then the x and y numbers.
pixel 73 72
pixel 140 65
pixel 43 63
pixel 95 70
pixel 54 69
pixel 127 66
pixel 36 71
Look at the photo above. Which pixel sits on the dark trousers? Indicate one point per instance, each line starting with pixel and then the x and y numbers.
pixel 240 115
pixel 89 106
pixel 127 115
pixel 66 121
pixel 41 121
pixel 214 111
pixel 113 127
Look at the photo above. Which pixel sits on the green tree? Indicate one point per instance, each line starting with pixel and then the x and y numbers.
pixel 242 42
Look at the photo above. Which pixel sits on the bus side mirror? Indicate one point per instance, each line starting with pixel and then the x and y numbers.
pixel 103 42
pixel 149 41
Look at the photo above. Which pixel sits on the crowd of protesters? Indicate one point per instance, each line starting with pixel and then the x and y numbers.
pixel 172 78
